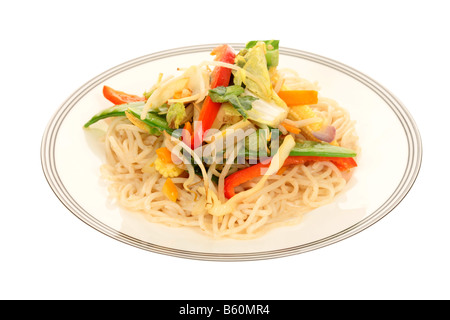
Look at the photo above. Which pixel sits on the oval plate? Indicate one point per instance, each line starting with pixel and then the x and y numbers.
pixel 387 166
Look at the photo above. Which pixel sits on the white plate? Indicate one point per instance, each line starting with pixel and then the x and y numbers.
pixel 387 166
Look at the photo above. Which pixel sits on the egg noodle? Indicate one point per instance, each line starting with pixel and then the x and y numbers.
pixel 278 198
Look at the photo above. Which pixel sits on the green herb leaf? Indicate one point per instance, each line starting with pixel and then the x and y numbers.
pixel 222 94
pixel 242 103
pixel 233 95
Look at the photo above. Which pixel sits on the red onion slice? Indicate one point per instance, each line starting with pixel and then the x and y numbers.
pixel 326 134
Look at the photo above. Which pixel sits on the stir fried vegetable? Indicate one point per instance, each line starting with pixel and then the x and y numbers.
pixel 233 95
pixel 176 114
pixel 164 164
pixel 272 53
pixel 321 149
pixel 227 115
pixel 254 62
pixel 142 125
pixel 153 120
pixel 275 164
pixel 119 97
pixel 237 94
pixel 301 148
pixel 266 113
pixel 163 93
pixel 219 77
pixel 314 131
pixel 114 111
pixel 257 170
pixel 299 97
pixel 170 190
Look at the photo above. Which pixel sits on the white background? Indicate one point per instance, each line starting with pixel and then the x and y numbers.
pixel 51 48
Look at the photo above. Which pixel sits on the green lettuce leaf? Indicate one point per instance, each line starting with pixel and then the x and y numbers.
pixel 175 115
pixel 272 51
pixel 254 62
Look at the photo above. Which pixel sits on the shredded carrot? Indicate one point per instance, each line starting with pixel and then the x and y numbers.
pixel 290 128
pixel 188 127
pixel 187 134
pixel 281 171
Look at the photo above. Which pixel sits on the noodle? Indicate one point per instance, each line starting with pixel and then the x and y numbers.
pixel 283 199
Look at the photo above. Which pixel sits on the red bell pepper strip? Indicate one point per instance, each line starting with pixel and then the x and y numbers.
pixel 244 175
pixel 219 77
pixel 119 97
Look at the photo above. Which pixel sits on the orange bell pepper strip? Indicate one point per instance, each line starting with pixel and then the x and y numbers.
pixel 119 97
pixel 164 154
pixel 244 175
pixel 170 190
pixel 298 97
pixel 290 128
pixel 219 77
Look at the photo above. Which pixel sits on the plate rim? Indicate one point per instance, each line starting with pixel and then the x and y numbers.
pixel 412 169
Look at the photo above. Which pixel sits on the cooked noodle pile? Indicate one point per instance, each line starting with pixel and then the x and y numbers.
pixel 282 201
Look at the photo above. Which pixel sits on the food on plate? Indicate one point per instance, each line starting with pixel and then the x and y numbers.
pixel 233 146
